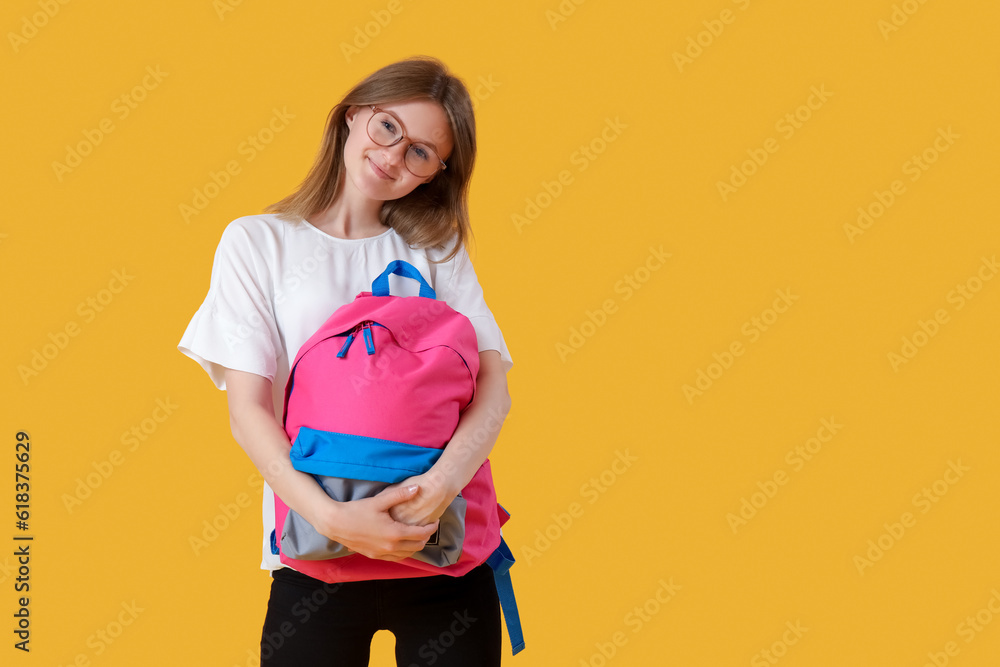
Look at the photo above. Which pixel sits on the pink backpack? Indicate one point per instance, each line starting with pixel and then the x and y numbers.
pixel 372 398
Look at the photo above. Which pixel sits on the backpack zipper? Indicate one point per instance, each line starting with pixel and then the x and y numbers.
pixel 365 328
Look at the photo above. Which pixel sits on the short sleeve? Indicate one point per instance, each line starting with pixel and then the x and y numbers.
pixel 235 325
pixel 463 293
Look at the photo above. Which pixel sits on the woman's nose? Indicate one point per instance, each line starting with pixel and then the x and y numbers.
pixel 395 154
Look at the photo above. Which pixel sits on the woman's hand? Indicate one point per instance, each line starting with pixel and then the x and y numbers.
pixel 427 505
pixel 367 527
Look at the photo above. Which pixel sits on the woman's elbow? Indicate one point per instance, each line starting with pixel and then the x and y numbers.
pixel 246 393
pixel 235 424
pixel 505 401
pixel 491 372
pixel 500 397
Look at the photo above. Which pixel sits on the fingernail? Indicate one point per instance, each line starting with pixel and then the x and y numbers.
pixel 412 488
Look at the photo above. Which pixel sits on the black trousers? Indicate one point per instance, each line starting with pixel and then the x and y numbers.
pixel 438 620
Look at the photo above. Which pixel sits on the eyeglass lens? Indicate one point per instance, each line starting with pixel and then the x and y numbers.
pixel 420 158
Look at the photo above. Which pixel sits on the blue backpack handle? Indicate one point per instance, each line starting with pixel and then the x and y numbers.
pixel 380 286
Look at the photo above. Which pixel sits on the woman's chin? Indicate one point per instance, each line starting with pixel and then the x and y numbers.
pixel 372 187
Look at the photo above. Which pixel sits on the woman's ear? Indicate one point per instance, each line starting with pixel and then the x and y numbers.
pixel 350 114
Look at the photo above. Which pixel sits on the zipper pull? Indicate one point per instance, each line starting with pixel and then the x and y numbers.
pixel 366 328
pixel 347 344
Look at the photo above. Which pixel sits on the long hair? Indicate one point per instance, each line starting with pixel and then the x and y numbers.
pixel 434 212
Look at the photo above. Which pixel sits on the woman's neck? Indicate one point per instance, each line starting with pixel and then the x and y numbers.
pixel 351 216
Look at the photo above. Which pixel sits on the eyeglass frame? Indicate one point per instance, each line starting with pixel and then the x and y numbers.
pixel 402 135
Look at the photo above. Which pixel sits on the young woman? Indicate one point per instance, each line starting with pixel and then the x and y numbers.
pixel 390 182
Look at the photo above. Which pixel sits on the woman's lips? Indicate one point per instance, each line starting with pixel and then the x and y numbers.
pixel 378 171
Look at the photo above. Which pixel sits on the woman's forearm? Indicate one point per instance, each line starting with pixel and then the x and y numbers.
pixel 265 442
pixel 364 526
pixel 478 428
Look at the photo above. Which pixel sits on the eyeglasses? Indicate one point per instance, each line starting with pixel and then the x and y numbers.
pixel 386 130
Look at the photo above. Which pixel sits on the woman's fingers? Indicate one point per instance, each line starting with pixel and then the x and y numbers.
pixel 412 540
pixel 394 496
pixel 381 537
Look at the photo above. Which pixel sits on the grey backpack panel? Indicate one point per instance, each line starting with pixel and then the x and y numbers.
pixel 300 540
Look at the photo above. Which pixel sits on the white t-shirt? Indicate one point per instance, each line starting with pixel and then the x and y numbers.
pixel 274 283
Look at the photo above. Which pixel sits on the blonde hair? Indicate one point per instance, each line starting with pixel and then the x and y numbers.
pixel 434 212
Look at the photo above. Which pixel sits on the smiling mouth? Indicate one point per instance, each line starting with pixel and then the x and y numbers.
pixel 379 171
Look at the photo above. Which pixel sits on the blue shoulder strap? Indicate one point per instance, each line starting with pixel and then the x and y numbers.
pixel 380 286
pixel 500 561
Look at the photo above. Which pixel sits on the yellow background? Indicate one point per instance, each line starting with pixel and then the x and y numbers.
pixel 553 87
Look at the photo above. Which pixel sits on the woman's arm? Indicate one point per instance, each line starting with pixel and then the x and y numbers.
pixel 465 453
pixel 363 526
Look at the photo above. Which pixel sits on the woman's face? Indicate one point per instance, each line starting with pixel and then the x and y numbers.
pixel 379 172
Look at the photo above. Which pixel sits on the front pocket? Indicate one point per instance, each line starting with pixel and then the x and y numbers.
pixel 351 467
